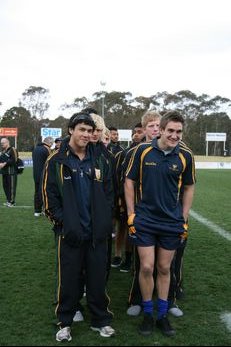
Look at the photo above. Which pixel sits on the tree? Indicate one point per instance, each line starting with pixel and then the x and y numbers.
pixel 19 117
pixel 35 99
pixel 195 134
pixel 202 113
pixel 60 122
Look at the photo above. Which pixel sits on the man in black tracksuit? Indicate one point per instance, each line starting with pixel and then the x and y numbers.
pixel 39 156
pixel 78 199
pixel 8 169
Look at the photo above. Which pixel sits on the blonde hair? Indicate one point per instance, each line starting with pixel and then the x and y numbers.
pixel 106 132
pixel 98 120
pixel 149 116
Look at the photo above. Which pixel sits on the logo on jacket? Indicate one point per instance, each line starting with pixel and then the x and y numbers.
pixel 97 174
pixel 67 177
pixel 174 167
pixel 152 163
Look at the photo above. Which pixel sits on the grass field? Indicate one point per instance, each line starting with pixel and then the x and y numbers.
pixel 27 278
pixel 212 158
pixel 24 155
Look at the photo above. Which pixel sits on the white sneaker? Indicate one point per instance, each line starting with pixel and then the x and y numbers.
pixel 64 334
pixel 134 310
pixel 176 311
pixel 38 214
pixel 106 331
pixel 78 317
pixel 9 204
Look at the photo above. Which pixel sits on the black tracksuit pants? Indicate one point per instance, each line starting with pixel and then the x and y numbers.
pixel 38 202
pixel 135 296
pixel 71 261
pixel 176 273
pixel 9 183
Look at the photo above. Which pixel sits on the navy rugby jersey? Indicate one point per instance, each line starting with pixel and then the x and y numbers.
pixel 160 179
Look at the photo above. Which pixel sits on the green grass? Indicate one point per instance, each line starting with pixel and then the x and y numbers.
pixel 212 158
pixel 27 255
pixel 199 158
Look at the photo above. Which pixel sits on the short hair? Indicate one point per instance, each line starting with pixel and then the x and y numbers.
pixel 149 116
pixel 89 110
pixel 171 116
pixel 138 125
pixel 113 129
pixel 48 140
pixel 6 139
pixel 59 139
pixel 80 117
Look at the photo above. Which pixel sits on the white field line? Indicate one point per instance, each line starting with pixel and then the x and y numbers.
pixel 226 316
pixel 214 227
pixel 226 319
pixel 17 206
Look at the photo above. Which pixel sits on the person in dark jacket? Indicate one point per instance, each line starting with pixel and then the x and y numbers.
pixel 39 156
pixel 8 169
pixel 58 142
pixel 78 199
pixel 114 145
pixel 102 150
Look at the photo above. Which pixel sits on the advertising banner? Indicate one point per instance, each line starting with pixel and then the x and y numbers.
pixel 9 132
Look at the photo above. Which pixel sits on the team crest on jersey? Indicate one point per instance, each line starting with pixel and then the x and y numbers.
pixel 174 167
pixel 97 174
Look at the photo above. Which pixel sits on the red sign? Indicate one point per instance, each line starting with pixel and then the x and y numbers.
pixel 9 132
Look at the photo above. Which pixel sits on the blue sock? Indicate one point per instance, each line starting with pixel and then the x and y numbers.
pixel 162 308
pixel 170 303
pixel 148 307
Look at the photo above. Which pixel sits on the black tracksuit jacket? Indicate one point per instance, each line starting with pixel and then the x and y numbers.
pixel 60 198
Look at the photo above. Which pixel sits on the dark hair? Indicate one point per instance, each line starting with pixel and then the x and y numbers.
pixel 113 128
pixel 58 139
pixel 171 116
pixel 89 110
pixel 138 125
pixel 81 117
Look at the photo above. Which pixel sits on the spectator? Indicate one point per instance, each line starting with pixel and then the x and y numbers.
pixel 58 142
pixel 8 169
pixel 39 156
pixel 121 236
pixel 114 145
pixel 106 137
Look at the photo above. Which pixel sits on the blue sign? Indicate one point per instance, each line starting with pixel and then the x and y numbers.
pixel 53 132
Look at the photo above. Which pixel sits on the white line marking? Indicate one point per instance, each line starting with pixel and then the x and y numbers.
pixel 16 207
pixel 214 227
pixel 226 319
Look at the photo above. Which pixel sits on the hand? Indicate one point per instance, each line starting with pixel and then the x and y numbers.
pixel 2 165
pixel 130 222
pixel 184 235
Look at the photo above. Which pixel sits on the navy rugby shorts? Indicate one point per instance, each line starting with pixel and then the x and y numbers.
pixel 157 239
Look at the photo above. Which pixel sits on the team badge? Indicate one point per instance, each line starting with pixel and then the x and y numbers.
pixel 97 174
pixel 174 167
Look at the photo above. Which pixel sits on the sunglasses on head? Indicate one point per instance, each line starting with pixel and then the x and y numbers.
pixel 82 117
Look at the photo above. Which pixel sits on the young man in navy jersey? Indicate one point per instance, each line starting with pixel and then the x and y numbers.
pixel 158 221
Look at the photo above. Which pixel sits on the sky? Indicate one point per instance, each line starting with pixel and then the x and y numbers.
pixel 140 46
